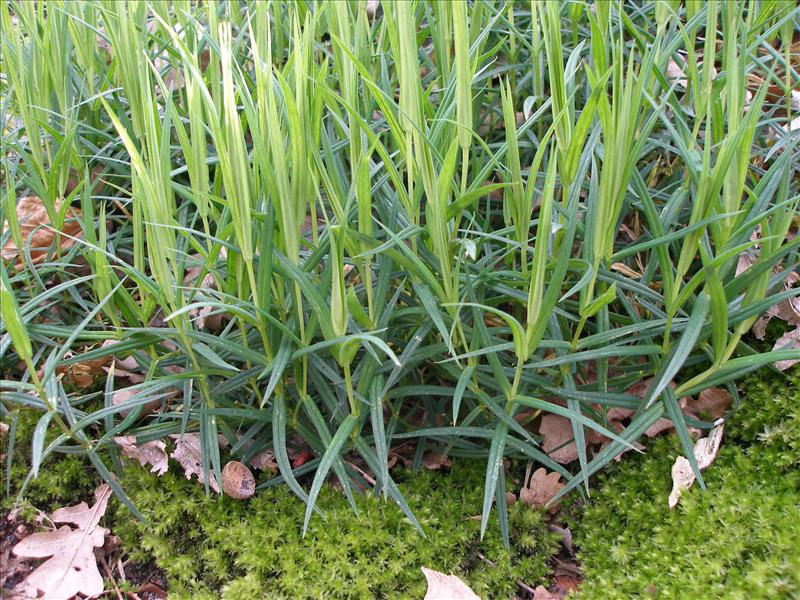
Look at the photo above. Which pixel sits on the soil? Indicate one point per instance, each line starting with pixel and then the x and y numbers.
pixel 151 581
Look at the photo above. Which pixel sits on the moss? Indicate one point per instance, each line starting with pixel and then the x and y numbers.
pixel 737 539
pixel 63 479
pixel 218 547
pixel 769 417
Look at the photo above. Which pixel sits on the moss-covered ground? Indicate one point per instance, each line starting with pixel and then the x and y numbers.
pixel 219 547
pixel 737 539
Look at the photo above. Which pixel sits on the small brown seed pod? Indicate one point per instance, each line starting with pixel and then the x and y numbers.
pixel 237 480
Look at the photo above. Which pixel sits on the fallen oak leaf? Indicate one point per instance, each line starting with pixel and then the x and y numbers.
pixel 446 587
pixel 37 231
pixel 153 453
pixel 189 454
pixel 557 438
pixel 71 567
pixel 540 488
pixel 711 404
pixel 705 451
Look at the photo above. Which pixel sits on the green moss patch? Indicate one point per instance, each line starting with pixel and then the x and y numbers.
pixel 219 547
pixel 63 479
pixel 737 539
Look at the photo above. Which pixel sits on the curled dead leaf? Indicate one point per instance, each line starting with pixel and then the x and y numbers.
pixel 675 73
pixel 788 341
pixel 237 480
pixel 189 454
pixel 82 374
pixel 661 425
pixel 153 453
pixel 625 270
pixel 705 451
pixel 123 395
pixel 38 233
pixel 264 461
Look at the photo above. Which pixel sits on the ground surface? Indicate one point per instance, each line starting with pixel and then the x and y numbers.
pixel 736 539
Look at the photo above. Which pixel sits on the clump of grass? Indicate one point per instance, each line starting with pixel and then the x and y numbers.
pixel 336 174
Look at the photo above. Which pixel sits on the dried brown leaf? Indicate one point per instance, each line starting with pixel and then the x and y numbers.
pixel 125 394
pixel 625 270
pixel 264 461
pixel 71 567
pixel 661 425
pixel 189 454
pixel 82 374
pixel 711 404
pixel 619 413
pixel 542 593
pixel 540 489
pixel 435 461
pixel 705 451
pixel 37 231
pixel 788 341
pixel 204 317
pixel 557 438
pixel 446 587
pixel 153 453
pixel 675 72
pixel 746 260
